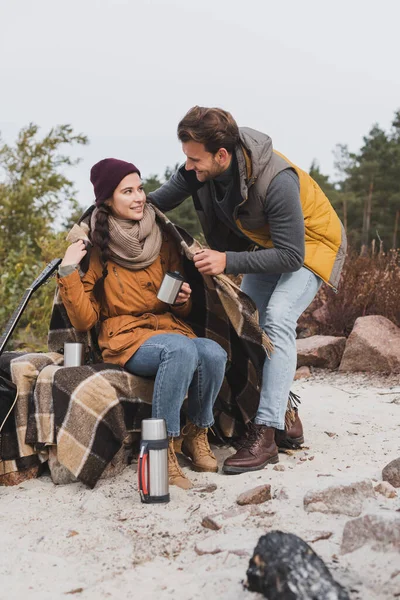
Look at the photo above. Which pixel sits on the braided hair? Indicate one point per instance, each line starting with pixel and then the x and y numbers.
pixel 101 238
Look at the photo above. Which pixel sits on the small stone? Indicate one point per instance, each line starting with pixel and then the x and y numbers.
pixel 303 458
pixel 257 495
pixel 279 468
pixel 386 489
pixel 208 489
pixel 330 433
pixel 391 473
pixel 302 373
pixel 281 494
pixel 311 457
pixel 235 515
pixel 209 523
pixel 72 533
pixel 382 532
pixel 319 535
pixel 340 499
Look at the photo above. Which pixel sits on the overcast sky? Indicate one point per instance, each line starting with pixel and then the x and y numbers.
pixel 310 73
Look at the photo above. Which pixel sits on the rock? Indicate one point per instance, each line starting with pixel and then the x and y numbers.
pixel 210 523
pixel 18 477
pixel 391 473
pixel 319 535
pixel 279 467
pixel 373 346
pixel 239 542
pixel 323 351
pixel 384 533
pixel 284 567
pixel 302 373
pixel 386 489
pixel 60 475
pixel 215 522
pixel 341 499
pixel 257 495
pixel 208 489
pixel 281 494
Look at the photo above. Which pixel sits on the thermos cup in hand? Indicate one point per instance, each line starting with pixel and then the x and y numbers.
pixel 153 480
pixel 170 287
pixel 73 354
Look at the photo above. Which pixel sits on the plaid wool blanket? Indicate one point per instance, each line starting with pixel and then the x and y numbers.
pixel 88 411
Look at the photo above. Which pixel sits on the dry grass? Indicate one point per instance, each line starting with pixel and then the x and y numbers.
pixel 369 285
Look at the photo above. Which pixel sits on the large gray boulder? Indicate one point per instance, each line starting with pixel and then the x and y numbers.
pixel 373 346
pixel 324 351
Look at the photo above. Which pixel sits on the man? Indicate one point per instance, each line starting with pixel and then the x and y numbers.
pixel 267 219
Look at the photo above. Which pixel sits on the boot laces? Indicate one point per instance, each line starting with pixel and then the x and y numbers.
pixel 173 465
pixel 203 445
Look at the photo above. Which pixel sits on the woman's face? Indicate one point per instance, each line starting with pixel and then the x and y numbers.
pixel 129 198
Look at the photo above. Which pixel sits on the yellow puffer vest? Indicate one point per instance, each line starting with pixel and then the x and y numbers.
pixel 325 238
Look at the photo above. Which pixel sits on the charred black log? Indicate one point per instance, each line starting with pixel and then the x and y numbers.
pixel 284 567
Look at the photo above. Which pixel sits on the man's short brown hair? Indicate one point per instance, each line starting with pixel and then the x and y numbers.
pixel 213 127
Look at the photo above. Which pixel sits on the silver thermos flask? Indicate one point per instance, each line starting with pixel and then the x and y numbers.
pixel 153 462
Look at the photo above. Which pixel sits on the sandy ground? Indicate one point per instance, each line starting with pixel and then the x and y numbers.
pixel 58 541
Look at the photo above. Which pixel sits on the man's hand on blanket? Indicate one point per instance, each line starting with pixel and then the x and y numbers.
pixel 210 262
pixel 183 295
pixel 74 254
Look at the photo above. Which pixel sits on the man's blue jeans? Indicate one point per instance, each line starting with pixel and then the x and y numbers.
pixel 181 366
pixel 280 300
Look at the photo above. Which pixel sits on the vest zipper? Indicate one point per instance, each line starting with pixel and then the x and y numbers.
pixel 119 280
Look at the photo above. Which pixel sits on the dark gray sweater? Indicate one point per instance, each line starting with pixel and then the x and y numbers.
pixel 282 210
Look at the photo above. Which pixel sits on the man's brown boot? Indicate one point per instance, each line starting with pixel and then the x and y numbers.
pixel 196 447
pixel 291 438
pixel 175 474
pixel 256 450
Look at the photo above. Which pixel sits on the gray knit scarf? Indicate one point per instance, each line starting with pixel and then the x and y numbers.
pixel 133 244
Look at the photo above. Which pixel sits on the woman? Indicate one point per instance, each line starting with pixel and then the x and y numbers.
pixel 149 338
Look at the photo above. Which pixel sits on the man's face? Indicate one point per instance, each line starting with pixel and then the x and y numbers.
pixel 205 164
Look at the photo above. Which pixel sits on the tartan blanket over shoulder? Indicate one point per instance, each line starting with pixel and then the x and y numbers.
pixel 87 411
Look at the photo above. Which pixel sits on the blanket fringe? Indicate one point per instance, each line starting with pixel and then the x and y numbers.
pixel 292 407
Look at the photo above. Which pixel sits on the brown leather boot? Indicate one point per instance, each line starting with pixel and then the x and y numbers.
pixel 256 450
pixel 175 474
pixel 291 438
pixel 196 447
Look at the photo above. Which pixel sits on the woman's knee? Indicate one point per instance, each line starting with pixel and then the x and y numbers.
pixel 181 348
pixel 211 352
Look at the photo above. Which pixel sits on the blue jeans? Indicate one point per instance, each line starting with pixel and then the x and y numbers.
pixel 280 300
pixel 181 366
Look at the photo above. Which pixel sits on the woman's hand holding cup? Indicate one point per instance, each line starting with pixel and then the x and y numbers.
pixel 183 295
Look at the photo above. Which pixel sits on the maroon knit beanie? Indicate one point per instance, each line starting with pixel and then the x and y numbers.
pixel 106 176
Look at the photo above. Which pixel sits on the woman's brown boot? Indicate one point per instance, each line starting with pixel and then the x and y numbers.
pixel 175 473
pixel 196 447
